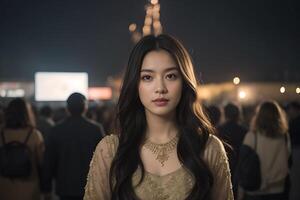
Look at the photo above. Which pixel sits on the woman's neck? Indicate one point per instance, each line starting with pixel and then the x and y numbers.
pixel 160 129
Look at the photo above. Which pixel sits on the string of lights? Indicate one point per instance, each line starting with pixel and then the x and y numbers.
pixel 152 23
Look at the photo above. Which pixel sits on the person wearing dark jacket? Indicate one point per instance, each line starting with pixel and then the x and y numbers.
pixel 233 133
pixel 69 149
pixel 293 111
pixel 44 121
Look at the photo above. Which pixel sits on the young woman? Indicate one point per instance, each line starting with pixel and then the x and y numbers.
pixel 270 128
pixel 164 148
pixel 19 127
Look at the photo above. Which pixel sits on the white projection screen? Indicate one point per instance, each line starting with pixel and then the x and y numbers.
pixel 57 86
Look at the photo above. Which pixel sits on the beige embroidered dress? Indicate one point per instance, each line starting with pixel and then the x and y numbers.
pixel 173 186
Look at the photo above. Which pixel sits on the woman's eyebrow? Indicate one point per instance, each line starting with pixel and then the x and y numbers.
pixel 171 68
pixel 166 70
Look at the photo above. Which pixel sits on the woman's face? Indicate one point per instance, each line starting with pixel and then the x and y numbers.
pixel 160 84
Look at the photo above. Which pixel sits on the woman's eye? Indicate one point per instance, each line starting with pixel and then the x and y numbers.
pixel 171 76
pixel 146 78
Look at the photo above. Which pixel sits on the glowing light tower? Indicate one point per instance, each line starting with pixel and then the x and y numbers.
pixel 152 24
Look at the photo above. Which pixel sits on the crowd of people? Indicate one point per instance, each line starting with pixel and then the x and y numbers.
pixel 60 151
pixel 273 133
pixel 79 126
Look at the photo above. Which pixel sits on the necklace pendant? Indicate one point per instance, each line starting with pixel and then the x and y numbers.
pixel 162 157
pixel 162 151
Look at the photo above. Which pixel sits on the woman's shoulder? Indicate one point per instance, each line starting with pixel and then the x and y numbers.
pixel 108 145
pixel 214 143
pixel 214 151
pixel 111 139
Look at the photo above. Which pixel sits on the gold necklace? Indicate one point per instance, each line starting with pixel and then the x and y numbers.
pixel 162 150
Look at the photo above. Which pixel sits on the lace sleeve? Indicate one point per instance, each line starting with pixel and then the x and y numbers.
pixel 217 160
pixel 97 186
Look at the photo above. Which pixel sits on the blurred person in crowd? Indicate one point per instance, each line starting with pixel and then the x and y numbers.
pixel 60 114
pixel 248 113
pixel 45 120
pixel 270 127
pixel 106 115
pixel 92 114
pixel 233 133
pixel 69 149
pixel 293 111
pixel 165 147
pixel 214 114
pixel 1 116
pixel 19 127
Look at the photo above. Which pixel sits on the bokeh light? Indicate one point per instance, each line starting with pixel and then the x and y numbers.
pixel 236 80
pixel 282 89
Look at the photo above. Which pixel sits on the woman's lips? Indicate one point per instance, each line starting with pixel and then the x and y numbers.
pixel 161 102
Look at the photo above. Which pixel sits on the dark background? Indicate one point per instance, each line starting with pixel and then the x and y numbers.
pixel 257 40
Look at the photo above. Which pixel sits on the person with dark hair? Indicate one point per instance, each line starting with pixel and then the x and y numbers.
pixel 60 114
pixel 1 116
pixel 45 121
pixel 214 114
pixel 69 149
pixel 106 115
pixel 76 104
pixel 233 133
pixel 18 130
pixel 293 111
pixel 269 137
pixel 46 111
pixel 165 147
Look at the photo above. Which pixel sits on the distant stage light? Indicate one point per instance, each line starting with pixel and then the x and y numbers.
pixel 2 93
pixel 57 86
pixel 148 21
pixel 97 93
pixel 132 27
pixel 154 2
pixel 146 30
pixel 236 80
pixel 242 94
pixel 156 24
pixel 282 90
pixel 156 15
pixel 298 90
pixel 156 8
pixel 149 11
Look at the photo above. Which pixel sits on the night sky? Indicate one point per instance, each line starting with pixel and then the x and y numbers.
pixel 258 40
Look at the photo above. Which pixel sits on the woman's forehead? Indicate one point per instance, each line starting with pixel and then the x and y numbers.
pixel 159 60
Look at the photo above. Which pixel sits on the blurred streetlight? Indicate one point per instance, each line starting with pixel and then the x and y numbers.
pixel 282 90
pixel 298 90
pixel 242 94
pixel 236 80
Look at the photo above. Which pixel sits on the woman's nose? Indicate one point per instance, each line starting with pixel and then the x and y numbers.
pixel 161 87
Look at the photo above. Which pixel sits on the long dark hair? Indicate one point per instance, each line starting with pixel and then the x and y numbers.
pixel 18 114
pixel 270 120
pixel 194 127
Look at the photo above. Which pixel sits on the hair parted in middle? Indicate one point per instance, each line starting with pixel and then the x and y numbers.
pixel 194 127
